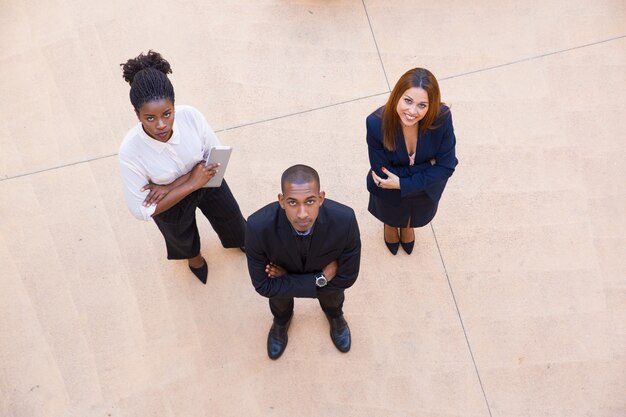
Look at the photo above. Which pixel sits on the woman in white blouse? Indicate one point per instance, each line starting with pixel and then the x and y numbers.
pixel 162 162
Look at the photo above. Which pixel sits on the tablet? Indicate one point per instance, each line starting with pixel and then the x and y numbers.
pixel 218 155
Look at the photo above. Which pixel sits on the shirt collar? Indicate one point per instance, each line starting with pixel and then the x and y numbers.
pixel 302 234
pixel 155 144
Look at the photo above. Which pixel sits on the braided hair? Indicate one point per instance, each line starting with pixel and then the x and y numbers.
pixel 147 76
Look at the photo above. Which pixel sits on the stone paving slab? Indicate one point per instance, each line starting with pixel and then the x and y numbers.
pixel 512 303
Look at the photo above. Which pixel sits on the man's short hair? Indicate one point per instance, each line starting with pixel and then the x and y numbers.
pixel 299 174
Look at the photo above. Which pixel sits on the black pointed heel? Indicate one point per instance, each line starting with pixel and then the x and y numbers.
pixel 408 246
pixel 201 272
pixel 393 247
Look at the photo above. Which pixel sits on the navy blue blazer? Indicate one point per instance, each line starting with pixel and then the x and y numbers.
pixel 438 143
pixel 271 238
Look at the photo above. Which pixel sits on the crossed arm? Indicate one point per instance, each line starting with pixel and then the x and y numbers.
pixel 411 179
pixel 166 196
pixel 271 279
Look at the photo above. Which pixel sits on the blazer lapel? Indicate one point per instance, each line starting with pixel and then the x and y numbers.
pixel 402 153
pixel 320 231
pixel 287 240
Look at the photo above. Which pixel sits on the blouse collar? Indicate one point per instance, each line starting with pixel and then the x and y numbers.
pixel 157 145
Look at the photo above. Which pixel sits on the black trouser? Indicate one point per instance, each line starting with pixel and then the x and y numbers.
pixel 330 299
pixel 179 228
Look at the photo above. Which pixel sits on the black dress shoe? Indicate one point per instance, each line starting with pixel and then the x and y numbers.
pixel 393 247
pixel 201 272
pixel 340 333
pixel 277 339
pixel 408 246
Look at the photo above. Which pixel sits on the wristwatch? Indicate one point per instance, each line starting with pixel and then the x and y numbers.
pixel 320 279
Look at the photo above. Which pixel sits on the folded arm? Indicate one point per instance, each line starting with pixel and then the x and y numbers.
pixel 287 285
pixel 349 261
pixel 147 200
pixel 442 170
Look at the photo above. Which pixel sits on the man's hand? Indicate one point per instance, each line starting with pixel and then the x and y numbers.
pixel 274 271
pixel 330 270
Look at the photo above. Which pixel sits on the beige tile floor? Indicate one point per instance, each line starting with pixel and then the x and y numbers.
pixel 513 303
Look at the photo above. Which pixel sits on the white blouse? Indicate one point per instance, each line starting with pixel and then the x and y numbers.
pixel 144 159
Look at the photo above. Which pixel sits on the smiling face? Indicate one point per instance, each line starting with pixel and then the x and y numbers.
pixel 412 106
pixel 157 119
pixel 301 203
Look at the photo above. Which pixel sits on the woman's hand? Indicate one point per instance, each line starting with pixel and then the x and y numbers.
pixel 392 181
pixel 201 174
pixel 156 194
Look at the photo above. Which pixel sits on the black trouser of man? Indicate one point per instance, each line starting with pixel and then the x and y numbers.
pixel 330 299
pixel 179 228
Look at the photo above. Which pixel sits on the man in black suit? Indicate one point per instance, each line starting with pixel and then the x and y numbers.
pixel 303 245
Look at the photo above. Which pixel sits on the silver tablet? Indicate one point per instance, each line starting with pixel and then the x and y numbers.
pixel 218 155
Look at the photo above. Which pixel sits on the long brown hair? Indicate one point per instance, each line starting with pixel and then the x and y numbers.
pixel 416 77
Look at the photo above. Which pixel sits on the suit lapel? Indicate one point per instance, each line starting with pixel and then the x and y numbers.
pixel 402 152
pixel 320 231
pixel 287 239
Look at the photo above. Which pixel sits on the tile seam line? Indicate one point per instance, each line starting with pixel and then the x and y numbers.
pixel 380 58
pixel 458 312
pixel 534 57
pixel 284 116
pixel 69 164
pixel 339 103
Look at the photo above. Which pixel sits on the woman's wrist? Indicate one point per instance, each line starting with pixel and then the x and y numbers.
pixel 190 186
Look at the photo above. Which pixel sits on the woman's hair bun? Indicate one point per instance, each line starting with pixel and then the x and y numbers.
pixel 150 60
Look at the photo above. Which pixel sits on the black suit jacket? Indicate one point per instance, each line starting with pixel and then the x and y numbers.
pixel 439 143
pixel 271 238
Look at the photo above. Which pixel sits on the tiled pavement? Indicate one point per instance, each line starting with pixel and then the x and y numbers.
pixel 513 303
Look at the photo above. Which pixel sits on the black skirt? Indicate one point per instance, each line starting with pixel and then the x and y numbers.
pixel 419 208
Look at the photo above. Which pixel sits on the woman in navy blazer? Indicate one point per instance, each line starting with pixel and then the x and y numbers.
pixel 411 146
